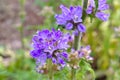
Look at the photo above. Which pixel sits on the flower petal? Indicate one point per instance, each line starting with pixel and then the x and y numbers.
pixel 102 16
pixel 81 27
pixel 69 26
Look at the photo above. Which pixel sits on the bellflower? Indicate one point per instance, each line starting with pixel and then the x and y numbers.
pixel 102 5
pixel 50 45
pixel 71 18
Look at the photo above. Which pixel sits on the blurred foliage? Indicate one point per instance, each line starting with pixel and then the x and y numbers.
pixel 100 35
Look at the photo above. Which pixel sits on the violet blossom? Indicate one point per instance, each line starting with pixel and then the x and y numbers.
pixel 102 6
pixel 71 18
pixel 50 45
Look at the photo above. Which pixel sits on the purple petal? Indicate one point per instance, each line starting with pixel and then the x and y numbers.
pixel 42 59
pixel 60 19
pixel 91 6
pixel 65 55
pixel 89 58
pixel 103 7
pixel 69 26
pixel 77 19
pixel 35 53
pixel 100 2
pixel 65 10
pixel 60 60
pixel 76 14
pixel 91 2
pixel 54 60
pixel 78 11
pixel 35 38
pixel 102 16
pixel 76 32
pixel 88 47
pixel 81 54
pixel 71 8
pixel 89 10
pixel 81 27
pixel 63 44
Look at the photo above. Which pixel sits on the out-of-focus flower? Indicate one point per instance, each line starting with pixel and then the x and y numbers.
pixel 74 59
pixel 75 56
pixel 102 5
pixel 47 10
pixel 91 6
pixel 85 52
pixel 50 45
pixel 71 18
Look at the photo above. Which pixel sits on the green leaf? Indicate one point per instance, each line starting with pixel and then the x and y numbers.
pixel 85 66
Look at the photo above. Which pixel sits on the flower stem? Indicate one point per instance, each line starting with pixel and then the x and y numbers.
pixel 85 2
pixel 22 17
pixel 73 73
pixel 76 41
pixel 50 73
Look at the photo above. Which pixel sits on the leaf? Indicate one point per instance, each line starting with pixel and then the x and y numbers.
pixel 85 66
pixel 61 75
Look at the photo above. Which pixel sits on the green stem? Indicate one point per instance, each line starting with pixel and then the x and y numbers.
pixel 50 73
pixel 85 2
pixel 76 47
pixel 22 36
pixel 22 17
pixel 77 39
pixel 73 73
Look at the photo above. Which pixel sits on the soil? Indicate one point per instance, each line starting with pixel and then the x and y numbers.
pixel 10 20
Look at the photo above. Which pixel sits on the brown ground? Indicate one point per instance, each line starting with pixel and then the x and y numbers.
pixel 10 20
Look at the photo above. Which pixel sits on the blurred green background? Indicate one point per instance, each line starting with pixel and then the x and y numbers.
pixel 19 21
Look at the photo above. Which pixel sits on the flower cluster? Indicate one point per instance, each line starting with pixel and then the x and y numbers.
pixel 85 52
pixel 53 45
pixel 50 45
pixel 71 18
pixel 75 56
pixel 102 5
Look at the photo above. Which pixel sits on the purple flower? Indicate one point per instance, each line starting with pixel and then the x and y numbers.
pixel 102 5
pixel 91 6
pixel 81 28
pixel 102 16
pixel 85 52
pixel 70 18
pixel 50 45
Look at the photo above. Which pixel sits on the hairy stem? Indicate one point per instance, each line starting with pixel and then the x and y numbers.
pixel 77 39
